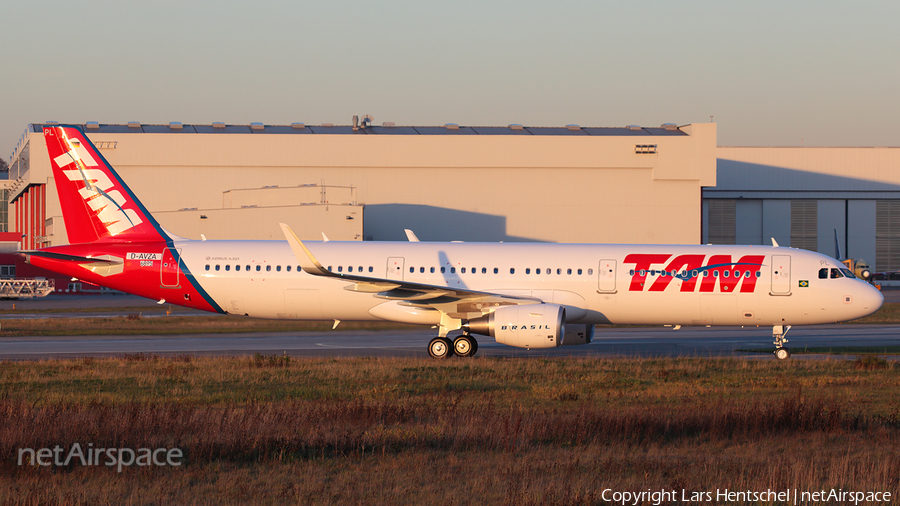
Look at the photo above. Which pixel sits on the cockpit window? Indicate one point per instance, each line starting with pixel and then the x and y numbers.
pixel 823 273
pixel 848 273
pixel 836 273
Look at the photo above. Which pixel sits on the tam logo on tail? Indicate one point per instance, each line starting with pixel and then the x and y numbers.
pixel 108 205
pixel 95 202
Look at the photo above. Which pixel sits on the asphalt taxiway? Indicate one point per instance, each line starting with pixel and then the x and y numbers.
pixel 630 341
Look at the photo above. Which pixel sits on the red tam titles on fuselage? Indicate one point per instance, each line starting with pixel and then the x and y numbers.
pixel 690 269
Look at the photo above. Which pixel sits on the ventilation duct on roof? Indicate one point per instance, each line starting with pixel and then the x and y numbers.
pixel 634 127
pixel 218 124
pixel 175 125
pixel 134 124
pixel 573 126
pixel 92 125
pixel 256 125
pixel 516 126
pixel 388 124
pixel 298 125
pixel 452 126
pixel 670 126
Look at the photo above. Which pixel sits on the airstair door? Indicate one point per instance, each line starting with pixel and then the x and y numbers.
pixel 607 280
pixel 395 268
pixel 781 275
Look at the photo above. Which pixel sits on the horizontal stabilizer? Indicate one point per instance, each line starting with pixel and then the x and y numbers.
pixel 71 258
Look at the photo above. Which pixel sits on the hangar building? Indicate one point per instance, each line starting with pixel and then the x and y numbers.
pixel 569 184
pixel 364 182
pixel 801 195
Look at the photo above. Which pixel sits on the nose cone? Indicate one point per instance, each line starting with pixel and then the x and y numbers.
pixel 868 299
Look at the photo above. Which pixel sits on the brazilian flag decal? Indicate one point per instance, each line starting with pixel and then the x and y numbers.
pixel 804 283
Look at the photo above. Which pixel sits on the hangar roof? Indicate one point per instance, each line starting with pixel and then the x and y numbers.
pixel 451 129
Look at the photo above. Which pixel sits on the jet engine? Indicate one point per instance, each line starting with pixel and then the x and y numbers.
pixel 526 326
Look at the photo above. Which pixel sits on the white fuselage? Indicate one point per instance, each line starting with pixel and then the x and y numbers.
pixel 621 284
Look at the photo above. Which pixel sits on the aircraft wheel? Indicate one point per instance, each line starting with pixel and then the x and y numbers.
pixel 440 348
pixel 465 346
pixel 782 353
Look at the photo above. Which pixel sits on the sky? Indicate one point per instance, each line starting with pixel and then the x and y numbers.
pixel 769 73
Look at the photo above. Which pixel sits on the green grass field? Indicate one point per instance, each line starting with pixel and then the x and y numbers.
pixel 281 430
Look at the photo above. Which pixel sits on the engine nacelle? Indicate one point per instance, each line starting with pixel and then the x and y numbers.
pixel 578 334
pixel 527 326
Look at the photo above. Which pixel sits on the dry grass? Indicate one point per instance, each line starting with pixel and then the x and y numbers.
pixel 276 430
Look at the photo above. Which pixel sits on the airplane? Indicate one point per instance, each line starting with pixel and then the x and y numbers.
pixel 527 295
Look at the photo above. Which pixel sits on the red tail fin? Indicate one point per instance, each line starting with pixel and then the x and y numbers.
pixel 96 203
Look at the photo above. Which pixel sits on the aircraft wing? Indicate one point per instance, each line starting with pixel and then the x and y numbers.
pixel 456 302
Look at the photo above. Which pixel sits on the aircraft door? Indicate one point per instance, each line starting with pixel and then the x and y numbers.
pixel 781 275
pixel 607 276
pixel 395 268
pixel 169 268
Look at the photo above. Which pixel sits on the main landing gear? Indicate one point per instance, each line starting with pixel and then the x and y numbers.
pixel 443 347
pixel 779 332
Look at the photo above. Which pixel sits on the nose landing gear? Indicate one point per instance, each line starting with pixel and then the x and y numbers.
pixel 779 332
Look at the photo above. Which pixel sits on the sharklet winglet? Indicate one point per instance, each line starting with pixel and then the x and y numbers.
pixel 312 266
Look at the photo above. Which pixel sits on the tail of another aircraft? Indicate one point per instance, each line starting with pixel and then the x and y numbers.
pixel 96 203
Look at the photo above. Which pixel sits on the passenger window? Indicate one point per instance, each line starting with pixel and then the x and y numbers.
pixel 823 273
pixel 258 267
pixel 512 270
pixel 727 274
pixel 443 270
pixel 496 270
pixel 747 274
pixel 370 268
pixel 453 270
pixel 247 268
pixel 836 273
pixel 412 270
pixel 484 270
pixel 329 268
pixel 278 268
pixel 227 267
pixel 421 269
pixel 288 268
pixel 632 272
pixel 590 272
pixel 463 270
pixel 432 270
pixel 528 270
pixel 269 268
pixel 340 268
pixel 217 266
pixel 349 268
pixel 758 273
pixel 237 267
pixel 207 266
